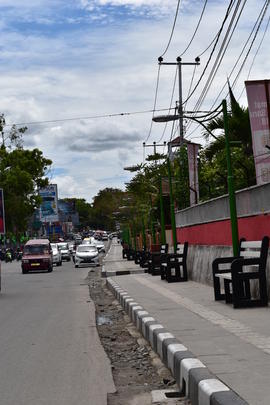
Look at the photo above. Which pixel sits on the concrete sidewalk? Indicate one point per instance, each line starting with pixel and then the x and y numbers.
pixel 233 344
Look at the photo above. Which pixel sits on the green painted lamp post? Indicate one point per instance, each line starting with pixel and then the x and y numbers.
pixel 172 206
pixel 231 189
pixel 162 217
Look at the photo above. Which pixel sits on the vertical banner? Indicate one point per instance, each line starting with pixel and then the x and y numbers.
pixel 192 150
pixel 258 105
pixel 2 213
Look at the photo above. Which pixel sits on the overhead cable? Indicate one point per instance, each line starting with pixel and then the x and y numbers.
pixel 212 52
pixel 173 27
pixel 196 29
pixel 155 103
pixel 240 55
pixel 171 101
pixel 221 53
pixel 252 42
pixel 255 55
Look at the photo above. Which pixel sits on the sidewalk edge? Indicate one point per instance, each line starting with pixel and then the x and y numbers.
pixel 192 377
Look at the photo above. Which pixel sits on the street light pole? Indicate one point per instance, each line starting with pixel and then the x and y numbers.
pixel 172 206
pixel 231 188
pixel 162 217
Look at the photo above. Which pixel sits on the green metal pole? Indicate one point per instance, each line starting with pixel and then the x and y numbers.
pixel 162 217
pixel 231 189
pixel 143 232
pixel 152 222
pixel 172 206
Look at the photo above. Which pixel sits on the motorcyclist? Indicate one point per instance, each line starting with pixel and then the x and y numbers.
pixel 8 257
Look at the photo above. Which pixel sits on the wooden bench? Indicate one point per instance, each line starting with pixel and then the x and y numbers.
pixel 250 264
pixel 174 267
pixel 155 260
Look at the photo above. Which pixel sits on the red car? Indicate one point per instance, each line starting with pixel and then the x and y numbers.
pixel 37 255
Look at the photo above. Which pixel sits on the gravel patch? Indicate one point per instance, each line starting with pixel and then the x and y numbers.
pixel 136 369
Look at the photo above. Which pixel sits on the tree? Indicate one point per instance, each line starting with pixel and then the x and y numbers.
pixel 105 204
pixel 21 175
pixel 213 167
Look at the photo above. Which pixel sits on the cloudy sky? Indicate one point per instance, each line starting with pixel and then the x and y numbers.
pixel 68 60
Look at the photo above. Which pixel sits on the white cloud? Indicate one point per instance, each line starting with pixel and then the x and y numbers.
pixel 100 69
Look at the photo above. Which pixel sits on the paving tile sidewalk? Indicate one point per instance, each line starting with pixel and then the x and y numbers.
pixel 234 344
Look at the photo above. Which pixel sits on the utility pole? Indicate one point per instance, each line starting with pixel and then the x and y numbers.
pixel 179 63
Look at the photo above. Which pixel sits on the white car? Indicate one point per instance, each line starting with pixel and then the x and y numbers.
pixel 86 254
pixel 57 256
pixel 100 246
pixel 63 246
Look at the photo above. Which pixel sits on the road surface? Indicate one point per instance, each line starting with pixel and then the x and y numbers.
pixel 50 351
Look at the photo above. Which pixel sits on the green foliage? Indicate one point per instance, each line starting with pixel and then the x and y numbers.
pixel 212 162
pixel 21 175
pixel 105 204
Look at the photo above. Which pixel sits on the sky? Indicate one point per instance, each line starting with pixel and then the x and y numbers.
pixel 69 60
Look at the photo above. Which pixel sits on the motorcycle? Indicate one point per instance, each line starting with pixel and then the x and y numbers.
pixel 19 255
pixel 8 256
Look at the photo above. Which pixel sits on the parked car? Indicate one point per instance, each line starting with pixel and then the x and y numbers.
pixel 37 255
pixel 86 254
pixel 57 255
pixel 63 246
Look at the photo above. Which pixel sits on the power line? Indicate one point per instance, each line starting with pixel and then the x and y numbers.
pixel 173 27
pixel 155 103
pixel 240 55
pixel 196 29
pixel 255 55
pixel 223 48
pixel 171 101
pixel 252 42
pixel 212 52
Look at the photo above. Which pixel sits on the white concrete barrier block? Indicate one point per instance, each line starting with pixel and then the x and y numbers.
pixel 144 320
pixel 130 306
pixel 186 365
pixel 171 350
pixel 161 337
pixel 207 387
pixel 151 332
pixel 139 315
pixel 134 308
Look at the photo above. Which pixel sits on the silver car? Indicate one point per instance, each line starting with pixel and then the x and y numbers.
pixel 57 256
pixel 86 254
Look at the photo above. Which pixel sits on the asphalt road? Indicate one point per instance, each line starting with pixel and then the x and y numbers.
pixel 50 351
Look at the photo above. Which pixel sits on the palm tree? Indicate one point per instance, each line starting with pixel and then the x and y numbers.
pixel 242 153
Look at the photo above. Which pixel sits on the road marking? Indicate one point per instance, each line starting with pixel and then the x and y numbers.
pixel 237 328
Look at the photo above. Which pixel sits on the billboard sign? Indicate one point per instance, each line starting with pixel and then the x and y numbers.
pixel 49 206
pixel 2 213
pixel 259 113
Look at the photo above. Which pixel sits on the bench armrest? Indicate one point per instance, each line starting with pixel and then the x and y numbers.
pixel 174 255
pixel 220 260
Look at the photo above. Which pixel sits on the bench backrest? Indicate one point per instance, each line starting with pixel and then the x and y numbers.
pixel 164 248
pixel 255 249
pixel 181 248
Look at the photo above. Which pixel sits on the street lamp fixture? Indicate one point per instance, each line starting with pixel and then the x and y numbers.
pixel 166 118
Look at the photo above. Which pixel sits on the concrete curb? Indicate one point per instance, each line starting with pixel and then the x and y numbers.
pixel 193 378
pixel 110 273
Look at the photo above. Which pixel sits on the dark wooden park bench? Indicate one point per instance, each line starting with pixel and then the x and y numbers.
pixel 239 271
pixel 155 260
pixel 174 267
